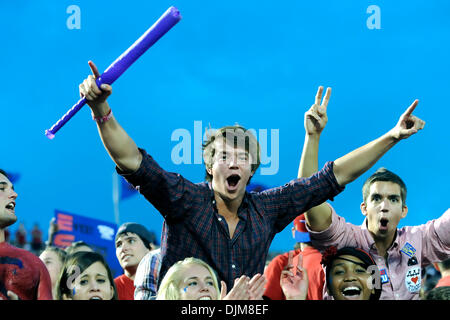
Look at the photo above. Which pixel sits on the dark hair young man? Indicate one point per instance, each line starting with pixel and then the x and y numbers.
pixel 133 242
pixel 23 276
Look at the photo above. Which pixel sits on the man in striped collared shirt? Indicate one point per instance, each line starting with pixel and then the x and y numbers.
pixel 399 253
pixel 218 221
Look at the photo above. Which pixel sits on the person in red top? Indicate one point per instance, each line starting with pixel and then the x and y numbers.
pixel 21 236
pixel 23 276
pixel 444 268
pixel 36 239
pixel 311 262
pixel 133 242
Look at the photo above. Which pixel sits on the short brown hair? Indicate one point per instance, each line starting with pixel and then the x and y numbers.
pixel 236 135
pixel 384 175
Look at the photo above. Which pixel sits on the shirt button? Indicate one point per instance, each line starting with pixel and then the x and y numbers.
pixel 214 202
pixel 220 219
pixel 233 266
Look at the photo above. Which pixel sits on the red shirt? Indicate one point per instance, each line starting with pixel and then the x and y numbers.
pixel 21 237
pixel 24 274
pixel 311 262
pixel 273 274
pixel 316 275
pixel 443 282
pixel 36 235
pixel 125 287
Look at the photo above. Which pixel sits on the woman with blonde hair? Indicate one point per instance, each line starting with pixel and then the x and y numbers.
pixel 53 258
pixel 194 279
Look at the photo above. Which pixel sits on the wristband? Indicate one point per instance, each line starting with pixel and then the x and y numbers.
pixel 104 118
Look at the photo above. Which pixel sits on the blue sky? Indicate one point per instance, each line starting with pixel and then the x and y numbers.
pixel 257 63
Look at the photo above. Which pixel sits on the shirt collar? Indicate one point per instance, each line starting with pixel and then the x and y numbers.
pixel 242 207
pixel 371 241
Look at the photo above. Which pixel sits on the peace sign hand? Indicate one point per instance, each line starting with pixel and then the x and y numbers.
pixel 294 283
pixel 316 117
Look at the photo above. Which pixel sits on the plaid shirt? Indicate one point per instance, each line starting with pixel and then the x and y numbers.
pixel 194 228
pixel 146 278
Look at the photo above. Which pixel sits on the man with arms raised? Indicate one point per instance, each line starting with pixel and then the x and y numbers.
pixel 218 221
pixel 399 253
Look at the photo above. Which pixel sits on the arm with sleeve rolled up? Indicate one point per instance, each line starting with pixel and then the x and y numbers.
pixel 318 217
pixel 352 165
pixel 163 189
pixel 121 148
pixel 313 187
pixel 436 238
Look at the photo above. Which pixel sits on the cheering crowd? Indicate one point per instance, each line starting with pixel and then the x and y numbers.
pixel 216 235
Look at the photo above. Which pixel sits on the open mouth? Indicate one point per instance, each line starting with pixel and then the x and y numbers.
pixel 233 181
pixel 384 224
pixel 11 206
pixel 205 298
pixel 352 293
pixel 95 298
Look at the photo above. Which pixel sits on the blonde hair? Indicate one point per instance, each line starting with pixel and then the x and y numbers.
pixel 170 285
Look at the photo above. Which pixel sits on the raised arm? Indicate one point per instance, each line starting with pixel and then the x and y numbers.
pixel 52 229
pixel 318 217
pixel 121 148
pixel 352 165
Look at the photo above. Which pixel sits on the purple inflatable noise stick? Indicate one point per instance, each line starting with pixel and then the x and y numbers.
pixel 115 70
